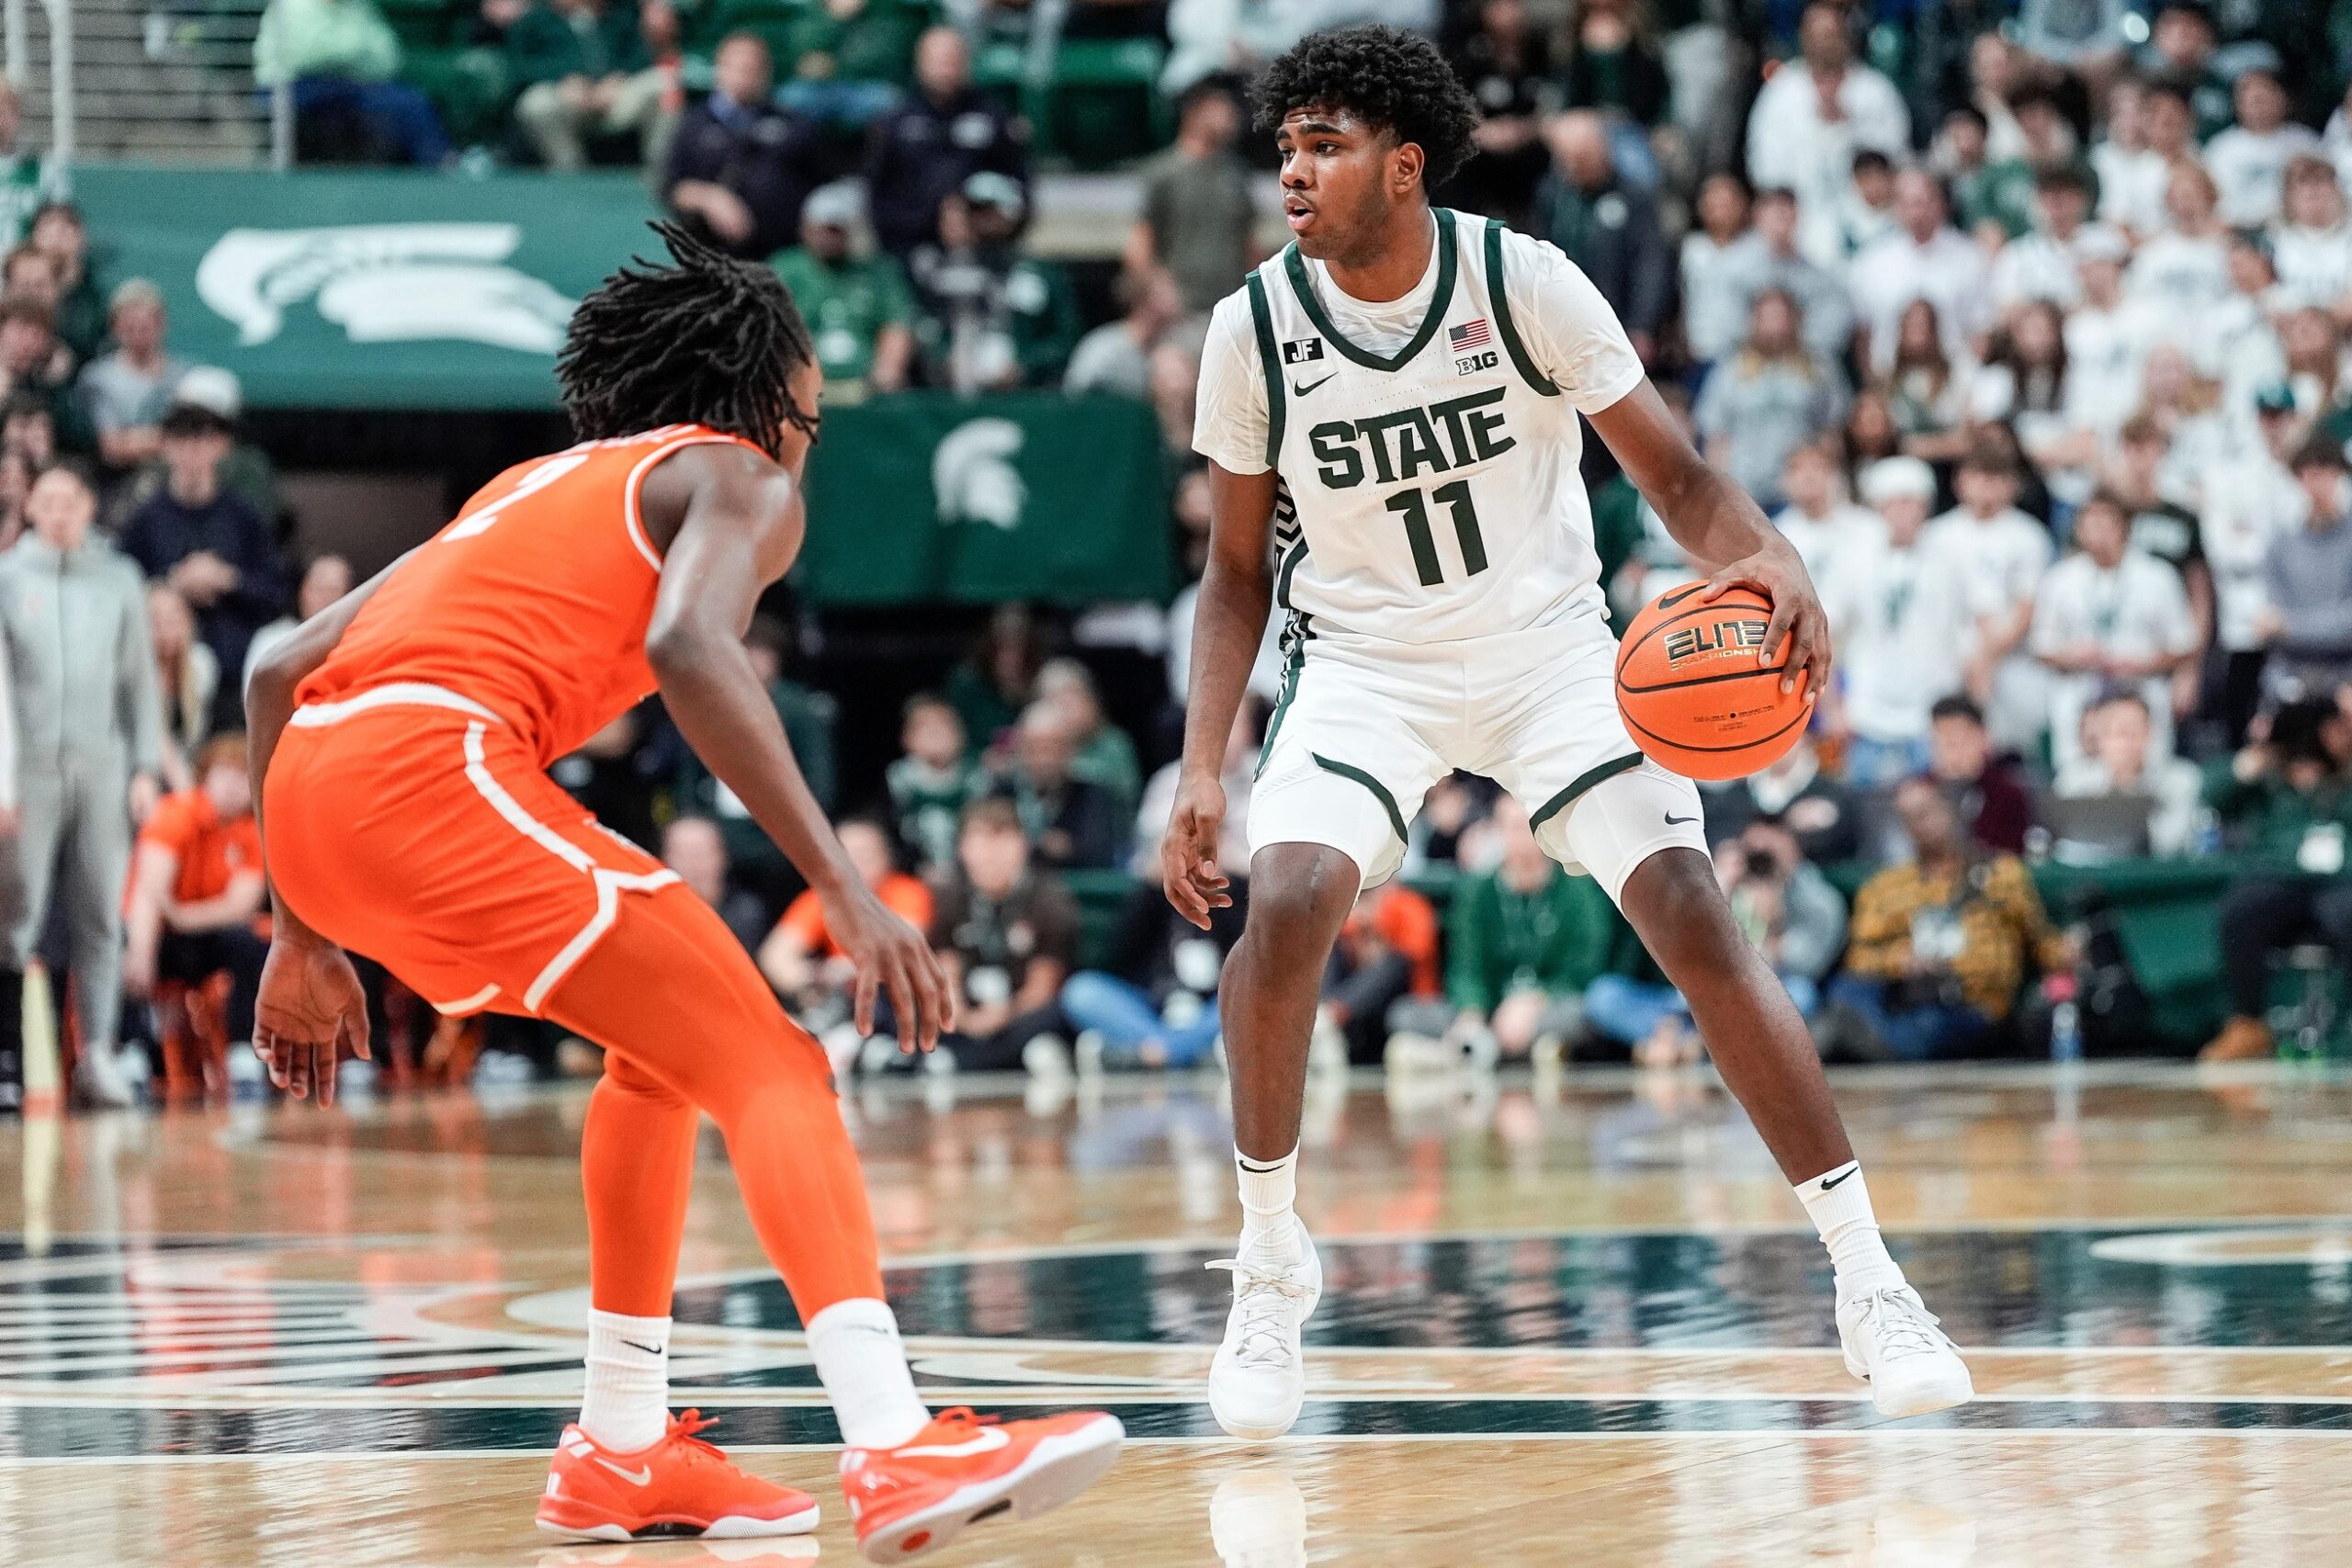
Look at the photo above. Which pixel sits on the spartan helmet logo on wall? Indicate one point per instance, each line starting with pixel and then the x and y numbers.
pixel 386 283
pixel 973 477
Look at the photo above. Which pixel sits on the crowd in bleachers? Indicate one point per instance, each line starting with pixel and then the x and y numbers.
pixel 2025 323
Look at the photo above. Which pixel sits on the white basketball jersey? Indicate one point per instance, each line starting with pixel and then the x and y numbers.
pixel 1431 493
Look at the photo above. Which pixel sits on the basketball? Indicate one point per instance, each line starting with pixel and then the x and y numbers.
pixel 1693 695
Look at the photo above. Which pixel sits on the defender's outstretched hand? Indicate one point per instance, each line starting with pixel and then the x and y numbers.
pixel 1188 855
pixel 310 1012
pixel 1779 575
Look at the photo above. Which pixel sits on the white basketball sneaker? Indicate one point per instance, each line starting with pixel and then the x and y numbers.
pixel 1892 1343
pixel 1259 1378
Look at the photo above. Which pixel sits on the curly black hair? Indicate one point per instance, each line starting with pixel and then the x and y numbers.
pixel 711 341
pixel 1394 80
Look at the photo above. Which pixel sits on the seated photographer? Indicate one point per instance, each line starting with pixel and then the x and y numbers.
pixel 2117 800
pixel 1940 946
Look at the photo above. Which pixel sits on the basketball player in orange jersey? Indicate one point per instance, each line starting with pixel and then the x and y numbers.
pixel 400 746
pixel 1390 413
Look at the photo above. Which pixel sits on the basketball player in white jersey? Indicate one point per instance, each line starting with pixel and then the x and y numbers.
pixel 1389 411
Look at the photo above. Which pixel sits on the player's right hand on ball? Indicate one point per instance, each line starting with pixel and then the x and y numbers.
pixel 891 956
pixel 309 1012
pixel 1188 855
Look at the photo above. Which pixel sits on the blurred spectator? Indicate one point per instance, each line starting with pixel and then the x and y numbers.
pixel 82 675
pixel 931 146
pixel 858 308
pixel 804 963
pixel 2312 249
pixel 342 62
pixel 197 890
pixel 2023 384
pixel 1072 823
pixel 1864 214
pixel 1197 220
pixel 931 781
pixel 27 428
pixel 2160 525
pixel 2308 575
pixel 1925 392
pixel 2184 268
pixel 1606 226
pixel 1115 358
pixel 324 580
pixel 188 673
pixel 1797 791
pixel 34 364
pixel 2105 338
pixel 1154 1001
pixel 808 717
pixel 1924 258
pixel 2182 48
pixel 1386 952
pixel 2248 160
pixel 124 394
pixel 1817 518
pixel 1813 115
pixel 1505 59
pixel 2044 264
pixel 1612 64
pixel 1767 399
pixel 992 684
pixel 1523 943
pixel 697 850
pixel 2120 765
pixel 2251 498
pixel 1008 934
pixel 1903 632
pixel 1777 263
pixel 1787 911
pixel 2086 36
pixel 585 74
pixel 1940 945
pixel 209 544
pixel 59 234
pixel 2148 126
pixel 2284 800
pixel 2110 616
pixel 1999 555
pixel 993 318
pixel 1719 253
pixel 246 471
pixel 1106 756
pixel 26 180
pixel 1986 786
pixel 740 167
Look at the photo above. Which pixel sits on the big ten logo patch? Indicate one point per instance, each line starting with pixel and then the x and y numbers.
pixel 1475 363
pixel 1303 351
pixel 1715 639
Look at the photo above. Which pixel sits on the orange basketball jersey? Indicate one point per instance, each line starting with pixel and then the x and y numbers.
pixel 534 602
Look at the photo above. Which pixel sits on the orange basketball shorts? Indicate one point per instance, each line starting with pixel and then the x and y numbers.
pixel 410 823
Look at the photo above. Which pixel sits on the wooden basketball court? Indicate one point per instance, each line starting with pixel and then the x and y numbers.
pixel 1578 1323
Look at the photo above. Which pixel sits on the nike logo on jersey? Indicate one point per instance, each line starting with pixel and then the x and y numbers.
pixel 1299 391
pixel 986 1441
pixel 1673 821
pixel 634 1477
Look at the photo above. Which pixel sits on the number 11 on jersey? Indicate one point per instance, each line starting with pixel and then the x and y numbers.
pixel 1413 506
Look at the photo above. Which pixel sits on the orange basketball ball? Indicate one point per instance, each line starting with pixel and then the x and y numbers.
pixel 1693 693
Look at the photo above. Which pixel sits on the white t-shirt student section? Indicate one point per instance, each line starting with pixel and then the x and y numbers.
pixel 2136 609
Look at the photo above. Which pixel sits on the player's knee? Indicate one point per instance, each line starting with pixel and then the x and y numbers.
pixel 1298 892
pixel 1674 901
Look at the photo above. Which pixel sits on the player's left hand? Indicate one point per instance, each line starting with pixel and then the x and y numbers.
pixel 892 956
pixel 1777 573
pixel 310 1012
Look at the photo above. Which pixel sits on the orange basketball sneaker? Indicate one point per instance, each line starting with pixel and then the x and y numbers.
pixel 919 1496
pixel 678 1487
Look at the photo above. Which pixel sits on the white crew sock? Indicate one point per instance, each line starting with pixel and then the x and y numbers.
pixel 1268 1189
pixel 1840 1203
pixel 864 1368
pixel 628 1404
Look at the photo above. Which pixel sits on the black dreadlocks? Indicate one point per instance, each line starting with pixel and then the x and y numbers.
pixel 1383 77
pixel 711 341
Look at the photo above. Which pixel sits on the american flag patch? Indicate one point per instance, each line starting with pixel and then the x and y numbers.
pixel 1469 335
